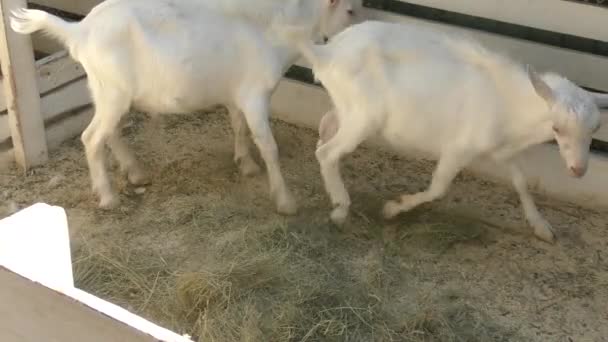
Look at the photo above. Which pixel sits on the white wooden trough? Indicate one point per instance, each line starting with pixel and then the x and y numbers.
pixel 45 102
pixel 38 296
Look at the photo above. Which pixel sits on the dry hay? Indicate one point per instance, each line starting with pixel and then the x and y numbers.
pixel 202 252
pixel 270 285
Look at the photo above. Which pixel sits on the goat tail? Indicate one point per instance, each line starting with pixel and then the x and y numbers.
pixel 26 21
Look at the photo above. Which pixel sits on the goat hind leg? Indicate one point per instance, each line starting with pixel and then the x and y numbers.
pixel 328 126
pixel 242 152
pixel 127 160
pixel 256 112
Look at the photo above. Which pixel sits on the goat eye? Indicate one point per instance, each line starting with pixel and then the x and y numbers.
pixel 350 12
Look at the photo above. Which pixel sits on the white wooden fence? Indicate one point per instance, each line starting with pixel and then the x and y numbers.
pixel 48 101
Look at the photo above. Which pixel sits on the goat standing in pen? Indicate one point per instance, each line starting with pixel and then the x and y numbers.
pixel 447 97
pixel 181 56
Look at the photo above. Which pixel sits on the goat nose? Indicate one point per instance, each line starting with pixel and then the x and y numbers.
pixel 577 171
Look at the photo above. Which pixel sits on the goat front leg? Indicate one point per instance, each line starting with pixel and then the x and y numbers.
pixel 542 228
pixel 449 165
pixel 329 153
pixel 242 153
pixel 255 108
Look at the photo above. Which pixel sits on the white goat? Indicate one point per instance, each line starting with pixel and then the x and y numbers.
pixel 447 97
pixel 181 56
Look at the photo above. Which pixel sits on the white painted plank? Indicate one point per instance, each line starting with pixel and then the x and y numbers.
pixel 56 70
pixel 7 158
pixel 306 113
pixel 45 44
pixel 57 133
pixel 74 95
pixel 553 15
pixel 302 104
pixel 52 72
pixel 5 130
pixel 21 91
pixel 68 128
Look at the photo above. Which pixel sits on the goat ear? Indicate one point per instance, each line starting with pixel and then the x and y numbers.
pixel 541 88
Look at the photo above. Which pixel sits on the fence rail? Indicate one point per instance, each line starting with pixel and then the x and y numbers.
pixel 520 22
pixel 600 3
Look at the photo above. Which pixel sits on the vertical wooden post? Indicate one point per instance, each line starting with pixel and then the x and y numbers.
pixel 21 91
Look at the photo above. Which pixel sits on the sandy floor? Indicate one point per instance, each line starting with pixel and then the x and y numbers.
pixel 201 251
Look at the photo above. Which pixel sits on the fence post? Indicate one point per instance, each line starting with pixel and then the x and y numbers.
pixel 21 91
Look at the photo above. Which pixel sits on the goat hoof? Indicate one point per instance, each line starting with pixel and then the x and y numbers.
pixel 545 233
pixel 338 215
pixel 248 167
pixel 391 209
pixel 108 202
pixel 138 177
pixel 286 205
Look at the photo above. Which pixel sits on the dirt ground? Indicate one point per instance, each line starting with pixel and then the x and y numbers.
pixel 202 251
